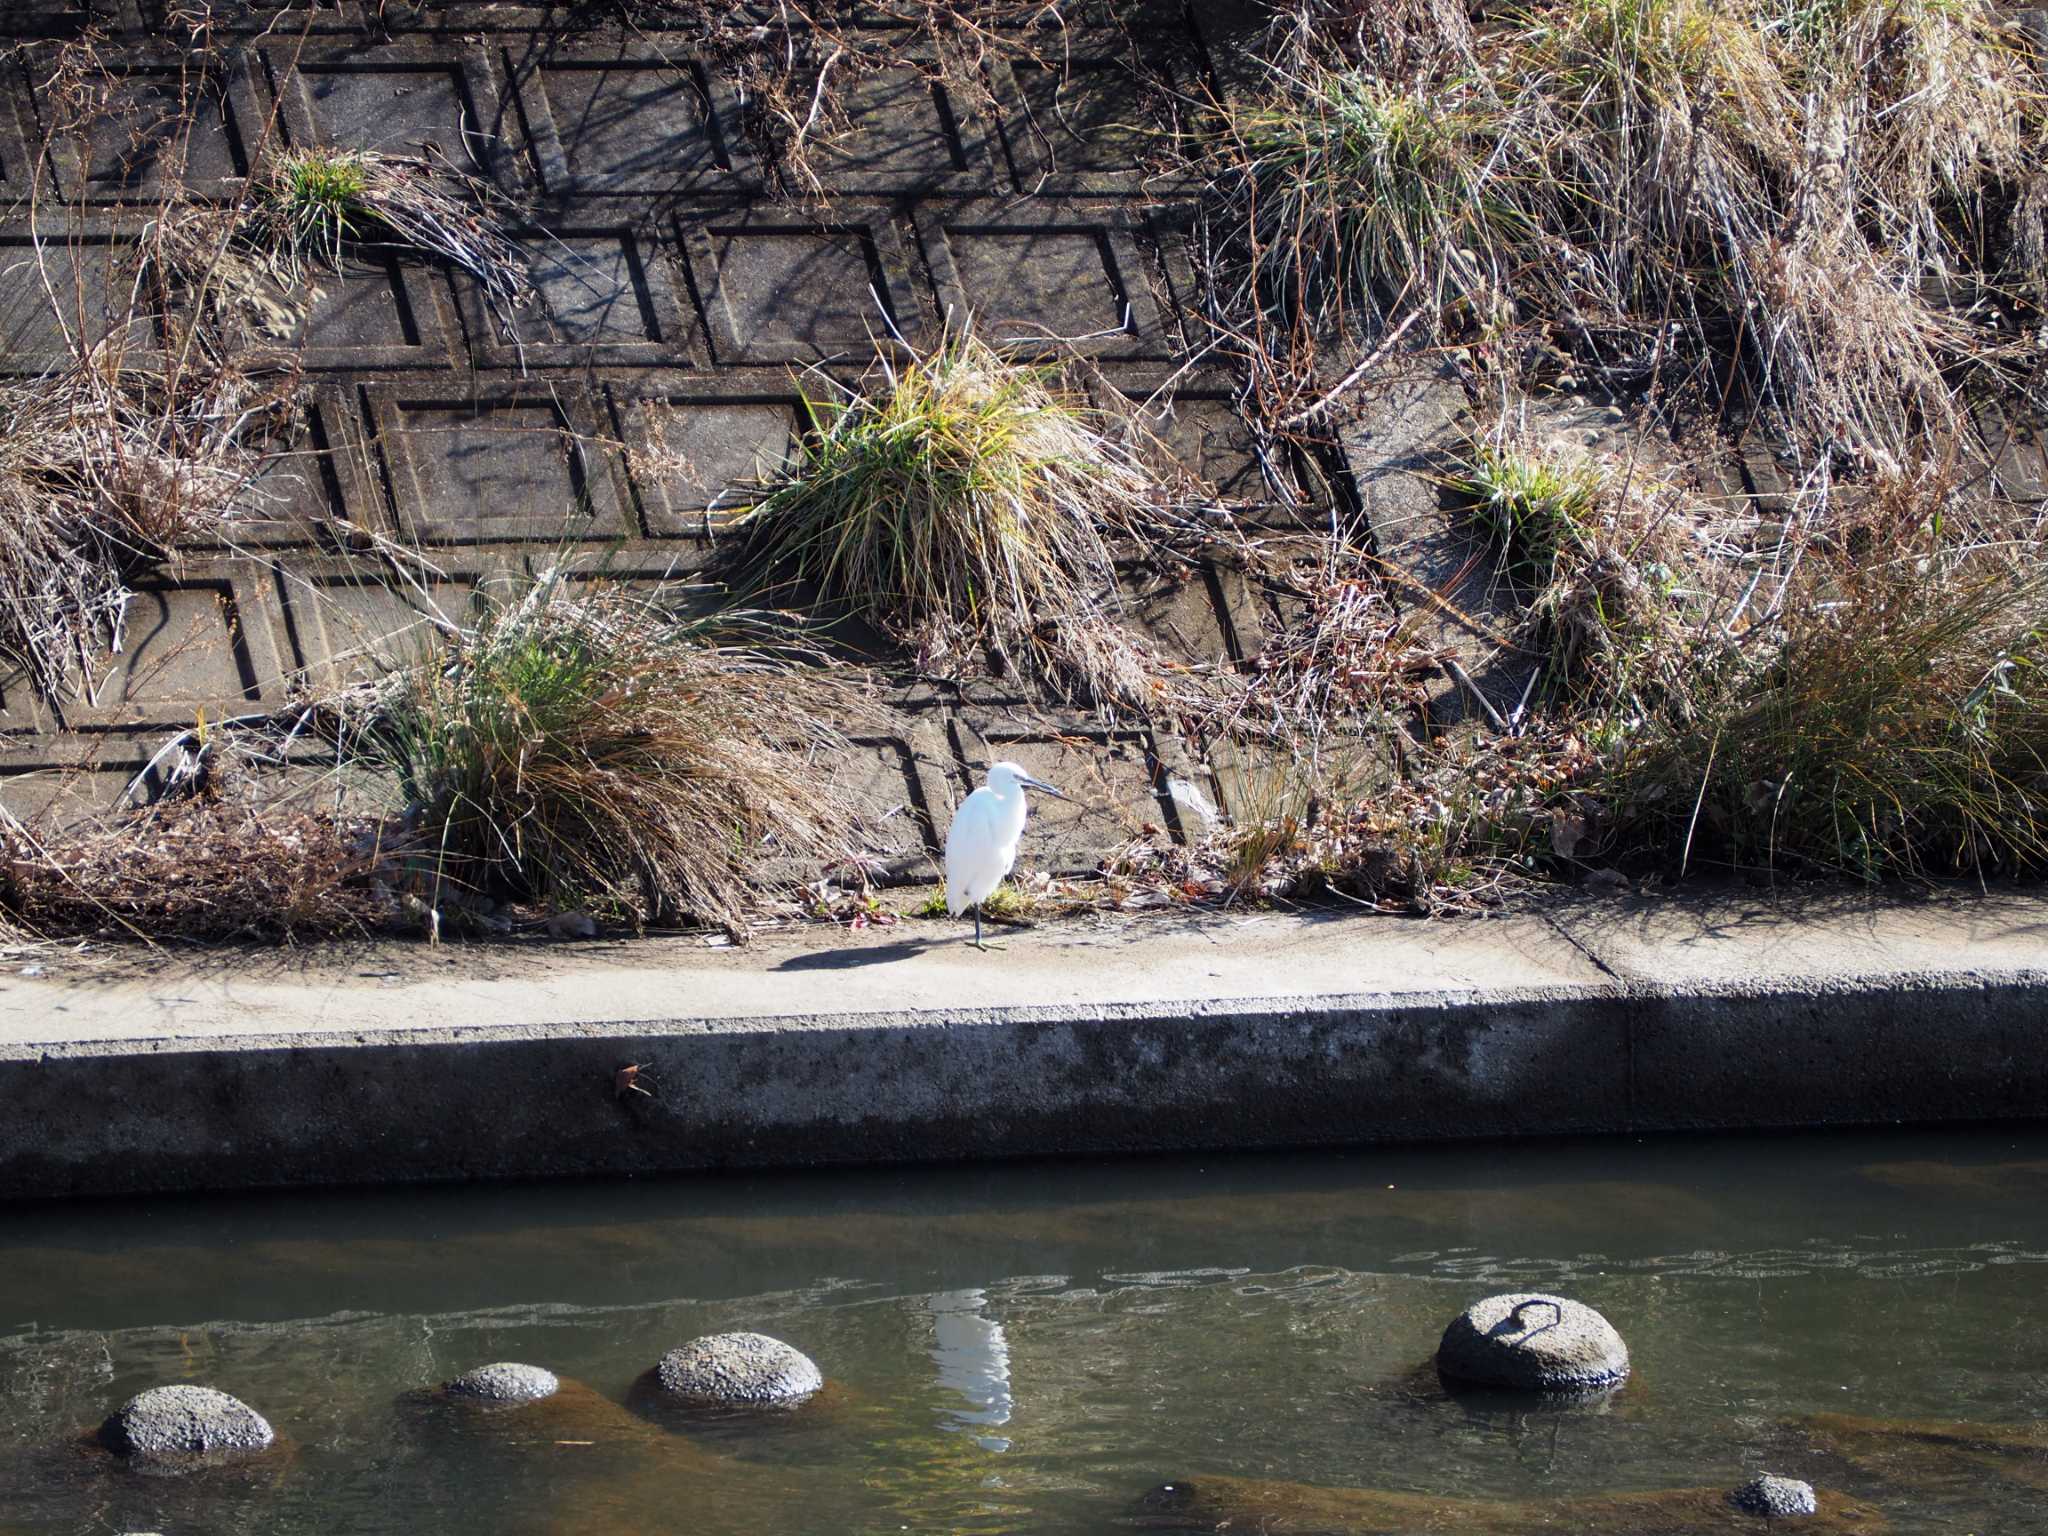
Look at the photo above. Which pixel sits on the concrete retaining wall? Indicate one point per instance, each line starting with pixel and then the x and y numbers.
pixel 253 1110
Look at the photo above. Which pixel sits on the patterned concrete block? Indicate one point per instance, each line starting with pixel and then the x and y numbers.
pixel 1203 434
pixel 904 130
pixel 2018 454
pixel 880 775
pixel 1183 612
pixel 65 286
pixel 783 286
pixel 627 120
pixel 603 296
pixel 298 499
pixel 165 126
pixel 50 795
pixel 23 715
pixel 1040 277
pixel 692 457
pixel 18 134
pixel 207 645
pixel 1440 568
pixel 378 312
pixel 398 100
pixel 1075 126
pixel 510 463
pixel 350 623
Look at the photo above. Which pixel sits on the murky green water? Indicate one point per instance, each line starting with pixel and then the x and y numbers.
pixel 1027 1349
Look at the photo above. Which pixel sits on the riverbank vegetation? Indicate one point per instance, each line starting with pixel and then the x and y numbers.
pixel 1806 235
pixel 1830 213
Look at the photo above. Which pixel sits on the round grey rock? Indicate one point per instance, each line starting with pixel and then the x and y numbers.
pixel 737 1370
pixel 1529 1342
pixel 1776 1498
pixel 505 1382
pixel 181 1423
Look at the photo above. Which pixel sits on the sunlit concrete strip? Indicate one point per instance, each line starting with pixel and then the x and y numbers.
pixel 377 1063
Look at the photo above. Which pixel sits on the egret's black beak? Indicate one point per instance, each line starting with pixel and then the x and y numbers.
pixel 1046 789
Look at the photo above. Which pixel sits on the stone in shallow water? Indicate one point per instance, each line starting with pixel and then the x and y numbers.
pixel 1234 1504
pixel 737 1370
pixel 184 1422
pixel 505 1382
pixel 1776 1497
pixel 1533 1343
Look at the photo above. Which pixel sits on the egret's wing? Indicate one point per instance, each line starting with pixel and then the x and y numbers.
pixel 966 843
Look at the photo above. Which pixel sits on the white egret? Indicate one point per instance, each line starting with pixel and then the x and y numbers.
pixel 981 845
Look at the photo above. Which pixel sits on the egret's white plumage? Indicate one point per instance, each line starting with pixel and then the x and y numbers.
pixel 981 845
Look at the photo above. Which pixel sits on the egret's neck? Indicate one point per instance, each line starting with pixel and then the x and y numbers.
pixel 1011 809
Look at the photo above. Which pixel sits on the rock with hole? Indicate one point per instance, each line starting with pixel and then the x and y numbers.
pixel 1527 1342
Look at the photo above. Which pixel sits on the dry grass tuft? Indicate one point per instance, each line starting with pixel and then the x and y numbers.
pixel 107 467
pixel 1885 714
pixel 961 502
pixel 1836 208
pixel 312 205
pixel 580 745
pixel 1350 659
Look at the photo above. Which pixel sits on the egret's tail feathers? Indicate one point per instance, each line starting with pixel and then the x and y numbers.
pixel 956 901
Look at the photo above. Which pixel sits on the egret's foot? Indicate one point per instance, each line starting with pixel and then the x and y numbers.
pixel 987 945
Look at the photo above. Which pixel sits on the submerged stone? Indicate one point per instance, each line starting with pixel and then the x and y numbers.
pixel 1237 1504
pixel 1529 1342
pixel 185 1423
pixel 1910 1451
pixel 504 1382
pixel 737 1370
pixel 1775 1498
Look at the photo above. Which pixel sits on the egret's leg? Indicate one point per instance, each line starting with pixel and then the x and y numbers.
pixel 977 931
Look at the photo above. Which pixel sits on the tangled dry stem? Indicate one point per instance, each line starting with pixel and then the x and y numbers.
pixel 798 68
pixel 107 467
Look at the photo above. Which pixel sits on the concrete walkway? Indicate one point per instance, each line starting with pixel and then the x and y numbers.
pixel 387 1062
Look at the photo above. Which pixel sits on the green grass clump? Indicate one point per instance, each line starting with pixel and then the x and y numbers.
pixel 1367 192
pixel 1006 901
pixel 960 502
pixel 312 205
pixel 579 745
pixel 315 198
pixel 1533 505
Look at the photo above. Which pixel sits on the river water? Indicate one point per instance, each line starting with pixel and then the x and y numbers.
pixel 1030 1348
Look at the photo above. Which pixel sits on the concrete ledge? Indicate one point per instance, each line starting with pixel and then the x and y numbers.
pixel 1565 1028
